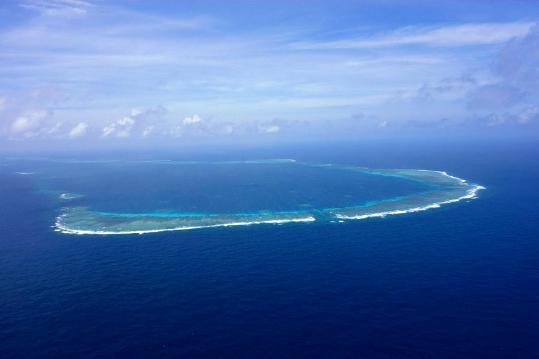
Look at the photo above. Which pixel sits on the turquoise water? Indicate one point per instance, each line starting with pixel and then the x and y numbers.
pixel 126 197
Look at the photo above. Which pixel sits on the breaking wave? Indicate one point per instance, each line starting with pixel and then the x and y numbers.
pixel 79 220
pixel 69 196
pixel 442 189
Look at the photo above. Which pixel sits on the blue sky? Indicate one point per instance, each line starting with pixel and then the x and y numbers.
pixel 94 72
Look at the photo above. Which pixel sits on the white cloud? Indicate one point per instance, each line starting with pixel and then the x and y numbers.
pixel 270 129
pixel 124 127
pixel 108 130
pixel 28 121
pixel 54 129
pixel 528 114
pixel 147 131
pixel 249 79
pixel 515 73
pixel 78 130
pixel 454 35
pixel 58 7
pixel 192 120
pixel 120 128
pixel 140 122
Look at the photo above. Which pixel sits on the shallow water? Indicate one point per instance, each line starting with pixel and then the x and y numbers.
pixel 137 197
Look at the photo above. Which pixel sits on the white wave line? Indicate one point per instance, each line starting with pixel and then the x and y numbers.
pixel 64 229
pixel 461 180
pixel 470 194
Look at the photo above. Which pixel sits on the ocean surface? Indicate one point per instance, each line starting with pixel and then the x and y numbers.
pixel 337 250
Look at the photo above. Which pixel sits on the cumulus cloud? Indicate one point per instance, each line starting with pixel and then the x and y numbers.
pixel 28 123
pixel 29 114
pixel 512 98
pixel 269 129
pixel 79 130
pixel 55 128
pixel 140 122
pixel 190 126
pixel 312 93
pixel 120 128
pixel 495 95
pixel 504 94
pixel 517 75
pixel 520 117
pixel 528 115
pixel 147 131
pixel 191 120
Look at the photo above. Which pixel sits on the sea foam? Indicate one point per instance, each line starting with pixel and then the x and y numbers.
pixel 470 193
pixel 60 227
pixel 69 196
pixel 442 189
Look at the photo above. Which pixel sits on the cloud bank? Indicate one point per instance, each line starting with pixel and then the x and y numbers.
pixel 100 72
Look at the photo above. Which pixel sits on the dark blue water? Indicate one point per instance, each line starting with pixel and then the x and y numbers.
pixel 206 187
pixel 460 281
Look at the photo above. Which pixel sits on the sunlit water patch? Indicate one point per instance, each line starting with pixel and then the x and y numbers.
pixel 136 197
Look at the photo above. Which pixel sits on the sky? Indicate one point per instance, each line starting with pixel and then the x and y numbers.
pixel 96 72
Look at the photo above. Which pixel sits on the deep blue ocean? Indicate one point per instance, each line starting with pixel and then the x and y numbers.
pixel 460 281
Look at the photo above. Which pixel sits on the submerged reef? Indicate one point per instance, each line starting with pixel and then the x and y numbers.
pixel 440 189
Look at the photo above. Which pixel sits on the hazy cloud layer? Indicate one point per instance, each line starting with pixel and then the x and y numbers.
pixel 100 71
